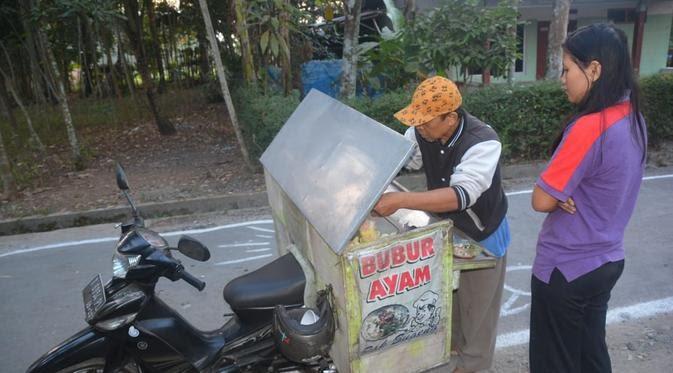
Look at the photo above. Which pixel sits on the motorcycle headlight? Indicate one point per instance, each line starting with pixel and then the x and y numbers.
pixel 122 263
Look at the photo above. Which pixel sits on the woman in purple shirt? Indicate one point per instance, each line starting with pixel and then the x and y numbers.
pixel 589 190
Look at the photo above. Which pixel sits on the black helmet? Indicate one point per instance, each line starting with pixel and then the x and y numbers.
pixel 304 335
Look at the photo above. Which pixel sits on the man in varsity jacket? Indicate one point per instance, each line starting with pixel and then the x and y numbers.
pixel 460 156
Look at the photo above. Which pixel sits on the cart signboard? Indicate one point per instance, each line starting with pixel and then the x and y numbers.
pixel 400 287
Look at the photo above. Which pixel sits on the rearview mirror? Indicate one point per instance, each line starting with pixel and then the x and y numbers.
pixel 122 182
pixel 194 249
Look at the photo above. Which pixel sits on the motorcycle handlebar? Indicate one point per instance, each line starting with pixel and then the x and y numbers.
pixel 190 279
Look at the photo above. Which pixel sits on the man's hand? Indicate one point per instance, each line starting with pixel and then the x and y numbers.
pixel 389 203
pixel 568 206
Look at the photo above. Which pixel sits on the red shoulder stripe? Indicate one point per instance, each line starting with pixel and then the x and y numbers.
pixel 579 140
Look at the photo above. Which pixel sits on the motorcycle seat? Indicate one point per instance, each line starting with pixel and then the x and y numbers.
pixel 279 282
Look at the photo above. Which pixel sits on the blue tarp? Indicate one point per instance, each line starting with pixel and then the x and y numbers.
pixel 323 75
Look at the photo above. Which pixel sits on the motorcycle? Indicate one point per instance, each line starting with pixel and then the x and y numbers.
pixel 132 330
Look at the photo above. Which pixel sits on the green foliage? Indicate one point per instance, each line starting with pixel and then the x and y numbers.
pixel 657 91
pixel 381 108
pixel 527 117
pixel 460 35
pixel 466 35
pixel 266 16
pixel 262 115
pixel 394 62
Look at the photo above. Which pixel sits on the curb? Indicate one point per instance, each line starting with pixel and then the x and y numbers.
pixel 413 181
pixel 117 214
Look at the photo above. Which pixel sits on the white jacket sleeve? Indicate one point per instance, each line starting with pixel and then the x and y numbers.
pixel 474 174
pixel 415 162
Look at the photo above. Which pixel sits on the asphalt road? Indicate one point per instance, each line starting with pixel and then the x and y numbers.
pixel 41 275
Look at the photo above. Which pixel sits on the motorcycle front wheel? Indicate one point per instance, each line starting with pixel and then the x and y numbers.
pixel 97 365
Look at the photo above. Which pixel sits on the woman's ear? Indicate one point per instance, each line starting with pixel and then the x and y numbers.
pixel 594 70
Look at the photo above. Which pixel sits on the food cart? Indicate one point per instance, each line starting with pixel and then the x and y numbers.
pixel 392 278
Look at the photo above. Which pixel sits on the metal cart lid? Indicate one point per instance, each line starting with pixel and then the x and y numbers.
pixel 334 163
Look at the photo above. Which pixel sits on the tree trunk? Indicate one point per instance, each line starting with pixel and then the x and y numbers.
pixel 24 77
pixel 50 66
pixel 9 61
pixel 558 30
pixel 204 63
pixel 286 63
pixel 39 90
pixel 125 68
pixel 172 53
pixel 112 67
pixel 90 86
pixel 486 72
pixel 215 50
pixel 409 11
pixel 349 70
pixel 156 46
pixel 65 73
pixel 34 138
pixel 6 107
pixel 8 182
pixel 134 30
pixel 166 53
pixel 98 74
pixel 246 51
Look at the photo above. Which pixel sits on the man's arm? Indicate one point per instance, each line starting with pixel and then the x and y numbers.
pixel 471 177
pixel 438 200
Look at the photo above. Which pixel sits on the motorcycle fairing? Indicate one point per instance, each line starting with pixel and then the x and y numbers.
pixel 87 344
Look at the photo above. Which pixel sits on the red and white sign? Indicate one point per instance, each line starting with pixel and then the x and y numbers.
pixel 400 290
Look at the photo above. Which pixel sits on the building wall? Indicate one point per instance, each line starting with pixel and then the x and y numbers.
pixel 655 40
pixel 655 43
pixel 656 35
pixel 530 56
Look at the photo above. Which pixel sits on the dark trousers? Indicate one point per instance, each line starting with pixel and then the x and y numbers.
pixel 567 321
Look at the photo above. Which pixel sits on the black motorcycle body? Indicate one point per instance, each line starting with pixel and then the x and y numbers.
pixel 133 330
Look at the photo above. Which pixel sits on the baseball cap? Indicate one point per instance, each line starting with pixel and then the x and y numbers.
pixel 433 97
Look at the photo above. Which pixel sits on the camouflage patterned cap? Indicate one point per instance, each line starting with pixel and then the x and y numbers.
pixel 433 97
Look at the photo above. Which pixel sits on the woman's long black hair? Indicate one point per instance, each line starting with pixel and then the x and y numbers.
pixel 606 44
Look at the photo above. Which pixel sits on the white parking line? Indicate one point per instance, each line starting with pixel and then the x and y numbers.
pixel 258 250
pixel 243 260
pixel 245 244
pixel 113 239
pixel 506 309
pixel 529 191
pixel 632 312
pixel 655 177
pixel 262 229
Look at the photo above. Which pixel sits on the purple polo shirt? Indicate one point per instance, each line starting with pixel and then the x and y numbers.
pixel 600 165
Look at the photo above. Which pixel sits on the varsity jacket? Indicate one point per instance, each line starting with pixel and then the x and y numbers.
pixel 468 163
